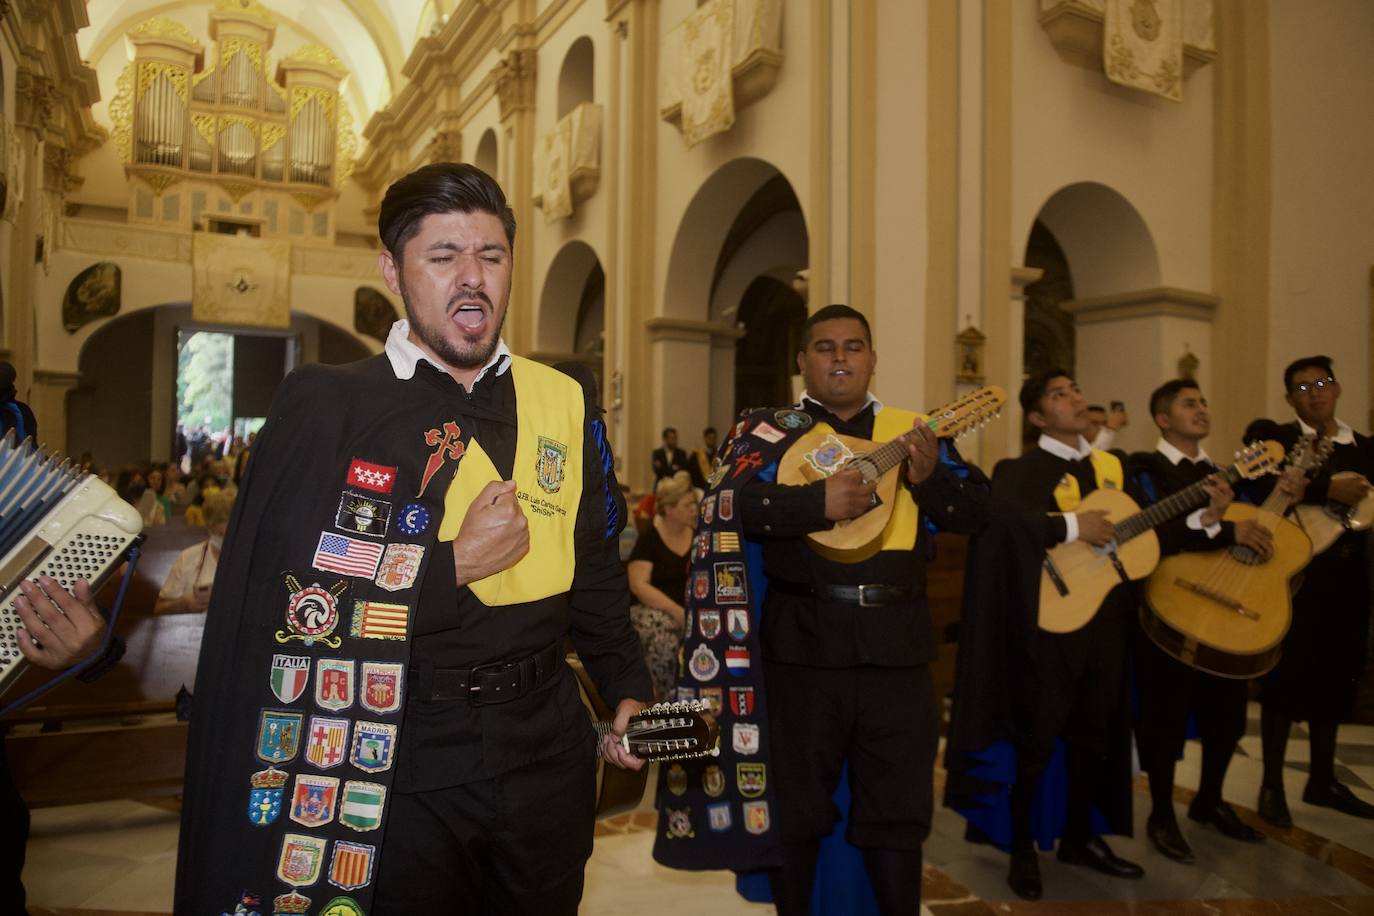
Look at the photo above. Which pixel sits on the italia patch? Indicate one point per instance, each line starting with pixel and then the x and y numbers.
pixel 379 478
pixel 679 823
pixel 751 779
pixel 792 419
pixel 704 664
pixel 400 566
pixel 380 687
pixel 709 621
pixel 289 675
pixel 362 805
pixel 376 620
pixel 374 746
pixel 756 819
pixel 737 660
pixel 341 906
pixel 744 738
pixel 714 698
pixel 279 735
pixel 312 613
pixel 312 803
pixel 742 701
pixel 349 556
pixel 301 859
pixel 726 506
pixel 328 742
pixel 718 816
pixel 737 623
pixel 552 457
pixel 677 779
pixel 730 587
pixel 413 520
pixel 265 796
pixel 351 866
pixel 768 432
pixel 359 514
pixel 713 781
pixel 334 683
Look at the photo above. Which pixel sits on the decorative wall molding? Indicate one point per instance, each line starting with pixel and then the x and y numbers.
pixel 568 167
pixel 1075 27
pixel 96 237
pixel 353 263
pixel 663 328
pixel 1145 303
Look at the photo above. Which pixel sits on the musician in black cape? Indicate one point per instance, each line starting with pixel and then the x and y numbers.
pixel 1318 674
pixel 1169 690
pixel 383 719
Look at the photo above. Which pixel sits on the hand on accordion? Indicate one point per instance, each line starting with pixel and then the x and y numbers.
pixel 60 628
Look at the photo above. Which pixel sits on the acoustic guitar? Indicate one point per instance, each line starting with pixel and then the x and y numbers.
pixel 1325 524
pixel 1226 611
pixel 1077 577
pixel 822 453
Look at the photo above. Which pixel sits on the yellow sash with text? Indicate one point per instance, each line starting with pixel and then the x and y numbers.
pixel 1107 471
pixel 550 411
pixel 900 533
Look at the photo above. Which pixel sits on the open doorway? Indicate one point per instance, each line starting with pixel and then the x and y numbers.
pixel 224 388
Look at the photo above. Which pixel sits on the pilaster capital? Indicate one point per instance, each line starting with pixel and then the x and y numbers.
pixel 515 77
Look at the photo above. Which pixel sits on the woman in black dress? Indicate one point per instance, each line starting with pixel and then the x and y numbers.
pixel 658 578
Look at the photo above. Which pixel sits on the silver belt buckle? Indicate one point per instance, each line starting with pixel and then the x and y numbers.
pixel 863 596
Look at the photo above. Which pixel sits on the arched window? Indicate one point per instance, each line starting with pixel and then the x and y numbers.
pixel 576 78
pixel 486 158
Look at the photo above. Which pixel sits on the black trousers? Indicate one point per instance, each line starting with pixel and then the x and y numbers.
pixel 14 837
pixel 514 844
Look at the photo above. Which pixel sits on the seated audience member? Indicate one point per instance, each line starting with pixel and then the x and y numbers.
pixel 658 578
pixel 153 505
pixel 175 488
pixel 193 573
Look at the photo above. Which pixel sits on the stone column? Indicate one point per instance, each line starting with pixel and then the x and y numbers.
pixel 48 400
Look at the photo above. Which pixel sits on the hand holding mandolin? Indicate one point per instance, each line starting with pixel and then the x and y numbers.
pixel 923 452
pixel 847 495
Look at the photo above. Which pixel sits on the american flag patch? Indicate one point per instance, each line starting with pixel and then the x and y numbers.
pixel 376 477
pixel 339 554
pixel 376 620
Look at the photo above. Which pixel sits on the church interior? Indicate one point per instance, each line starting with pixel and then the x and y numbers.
pixel 1134 191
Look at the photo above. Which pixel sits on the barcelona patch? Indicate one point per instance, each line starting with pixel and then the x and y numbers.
pixel 328 742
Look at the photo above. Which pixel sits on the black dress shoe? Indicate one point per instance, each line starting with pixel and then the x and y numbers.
pixel 1339 797
pixel 1164 833
pixel 1024 876
pixel 1273 807
pixel 1097 855
pixel 1223 817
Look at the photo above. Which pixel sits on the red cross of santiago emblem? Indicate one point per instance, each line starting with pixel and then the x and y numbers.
pixel 448 447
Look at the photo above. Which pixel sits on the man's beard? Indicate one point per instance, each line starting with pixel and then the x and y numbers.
pixel 473 353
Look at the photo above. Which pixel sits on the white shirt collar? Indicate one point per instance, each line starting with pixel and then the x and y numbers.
pixel 1067 452
pixel 1344 434
pixel 404 354
pixel 1175 455
pixel 868 399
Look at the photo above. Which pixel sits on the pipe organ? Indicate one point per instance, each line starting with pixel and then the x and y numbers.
pixel 213 131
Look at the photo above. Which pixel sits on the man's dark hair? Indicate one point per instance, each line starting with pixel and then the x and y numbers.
pixel 1162 398
pixel 667 430
pixel 1033 389
pixel 443 187
pixel 708 431
pixel 1307 362
pixel 830 313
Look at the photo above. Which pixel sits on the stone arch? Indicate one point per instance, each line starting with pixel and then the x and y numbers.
pixel 1108 246
pixel 486 157
pixel 572 307
pixel 577 76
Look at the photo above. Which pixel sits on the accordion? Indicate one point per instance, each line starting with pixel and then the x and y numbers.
pixel 54 521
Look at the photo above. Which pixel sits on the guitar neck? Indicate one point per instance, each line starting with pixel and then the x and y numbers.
pixel 1170 507
pixel 887 456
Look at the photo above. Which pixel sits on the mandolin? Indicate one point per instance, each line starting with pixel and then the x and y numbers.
pixel 669 731
pixel 1226 611
pixel 822 453
pixel 1077 577
pixel 1325 524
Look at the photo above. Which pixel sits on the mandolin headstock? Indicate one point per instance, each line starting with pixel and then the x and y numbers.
pixel 673 731
pixel 968 413
pixel 1259 458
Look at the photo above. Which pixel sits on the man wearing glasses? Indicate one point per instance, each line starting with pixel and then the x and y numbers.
pixel 1324 652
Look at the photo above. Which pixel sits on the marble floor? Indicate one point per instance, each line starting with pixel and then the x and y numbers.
pixel 119 857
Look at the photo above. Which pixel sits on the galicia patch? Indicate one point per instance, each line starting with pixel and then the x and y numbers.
pixel 413 520
pixel 792 419
pixel 713 781
pixel 701 585
pixel 709 621
pixel 359 514
pixel 341 906
pixel 704 664
pixel 312 613
pixel 312 804
pixel 279 735
pixel 301 859
pixel 742 701
pixel 351 867
pixel 379 478
pixel 677 779
pixel 679 823
pixel 400 566
pixel 328 742
pixel 289 676
pixel 380 687
pixel 549 465
pixel 708 509
pixel 376 620
pixel 265 795
pixel 292 904
pixel 737 623
pixel 713 697
pixel 737 660
pixel 334 683
pixel 726 507
pixel 751 779
pixel 730 587
pixel 348 556
pixel 756 819
pixel 374 746
pixel 768 433
pixel 745 738
pixel 718 815
pixel 362 805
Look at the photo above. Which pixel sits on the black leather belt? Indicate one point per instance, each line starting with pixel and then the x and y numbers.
pixel 862 595
pixel 498 682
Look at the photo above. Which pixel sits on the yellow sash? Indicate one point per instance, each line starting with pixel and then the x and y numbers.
pixel 549 408
pixel 1107 470
pixel 900 533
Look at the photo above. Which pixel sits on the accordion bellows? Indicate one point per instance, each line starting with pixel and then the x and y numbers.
pixel 54 521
